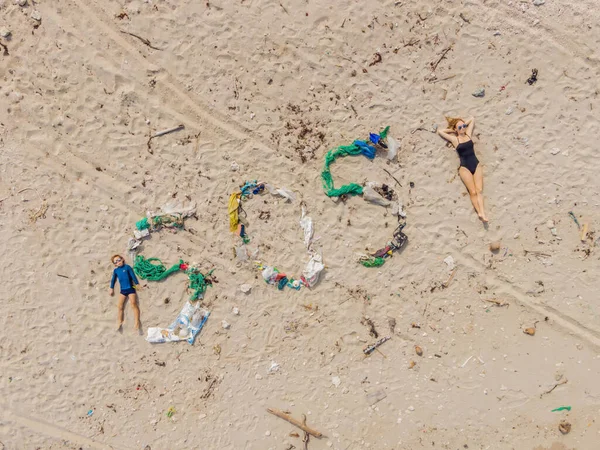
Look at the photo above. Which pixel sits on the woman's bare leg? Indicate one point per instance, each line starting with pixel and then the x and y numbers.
pixel 121 313
pixel 467 179
pixel 136 310
pixel 478 178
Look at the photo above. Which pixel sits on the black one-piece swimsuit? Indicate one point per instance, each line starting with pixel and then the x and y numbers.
pixel 466 153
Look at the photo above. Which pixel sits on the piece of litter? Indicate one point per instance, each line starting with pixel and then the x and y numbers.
pixel 235 311
pixel 90 413
pixel 235 166
pixel 35 15
pixel 171 411
pixel 274 367
pixel 246 288
pixel 376 397
pixel 555 151
pixel 449 260
pixel 562 408
pixel 467 361
pixel 479 93
pixel 225 325
pixel 336 381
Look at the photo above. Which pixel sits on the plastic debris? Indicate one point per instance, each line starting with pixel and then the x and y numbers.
pixel 372 196
pixel 375 397
pixel 274 367
pixel 449 260
pixel 186 326
pixel 306 224
pixel 533 78
pixel 572 215
pixel 171 411
pixel 562 408
pixel 90 413
pixel 312 271
pixel 336 381
pixel 371 348
pixel 225 325
pixel 479 93
pixel 393 147
pixel 246 288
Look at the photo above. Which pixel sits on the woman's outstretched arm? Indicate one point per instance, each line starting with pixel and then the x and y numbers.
pixel 470 125
pixel 449 135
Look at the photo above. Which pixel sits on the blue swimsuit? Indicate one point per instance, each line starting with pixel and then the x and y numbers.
pixel 127 279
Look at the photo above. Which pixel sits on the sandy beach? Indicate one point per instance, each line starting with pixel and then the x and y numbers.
pixel 264 90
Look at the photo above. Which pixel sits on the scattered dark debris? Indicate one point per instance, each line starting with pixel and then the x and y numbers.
pixel 369 323
pixel 122 15
pixel 376 59
pixel 392 324
pixel 533 78
pixel 160 363
pixel 264 215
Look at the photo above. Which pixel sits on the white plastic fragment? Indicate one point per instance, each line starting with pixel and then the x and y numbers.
pixel 306 224
pixel 313 270
pixel 393 146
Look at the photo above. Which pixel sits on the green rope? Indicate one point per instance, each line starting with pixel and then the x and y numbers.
pixel 332 155
pixel 384 133
pixel 142 224
pixel 153 269
pixel 158 221
pixel 373 262
pixel 198 283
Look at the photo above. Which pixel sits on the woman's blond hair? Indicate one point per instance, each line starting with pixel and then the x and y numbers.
pixel 112 259
pixel 452 121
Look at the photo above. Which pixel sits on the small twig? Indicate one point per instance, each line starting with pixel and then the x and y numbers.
pixel 554 387
pixel 62 276
pixel 422 19
pixel 443 55
pixel 411 42
pixel 5 49
pixel 285 416
pixel 421 129
pixel 444 79
pixel 447 283
pixel 464 18
pixel 395 179
pixel 497 302
pixel 283 7
pixel 144 40
pixel 343 23
pixel 536 252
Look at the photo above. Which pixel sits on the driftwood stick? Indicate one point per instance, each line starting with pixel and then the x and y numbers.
pixel 169 130
pixel 294 422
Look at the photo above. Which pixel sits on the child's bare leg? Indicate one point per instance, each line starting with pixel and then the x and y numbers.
pixel 136 310
pixel 121 313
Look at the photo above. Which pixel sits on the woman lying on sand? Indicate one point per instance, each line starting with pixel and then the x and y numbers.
pixel 127 284
pixel 459 134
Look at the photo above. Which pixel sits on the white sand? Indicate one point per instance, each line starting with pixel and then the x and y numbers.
pixel 245 77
